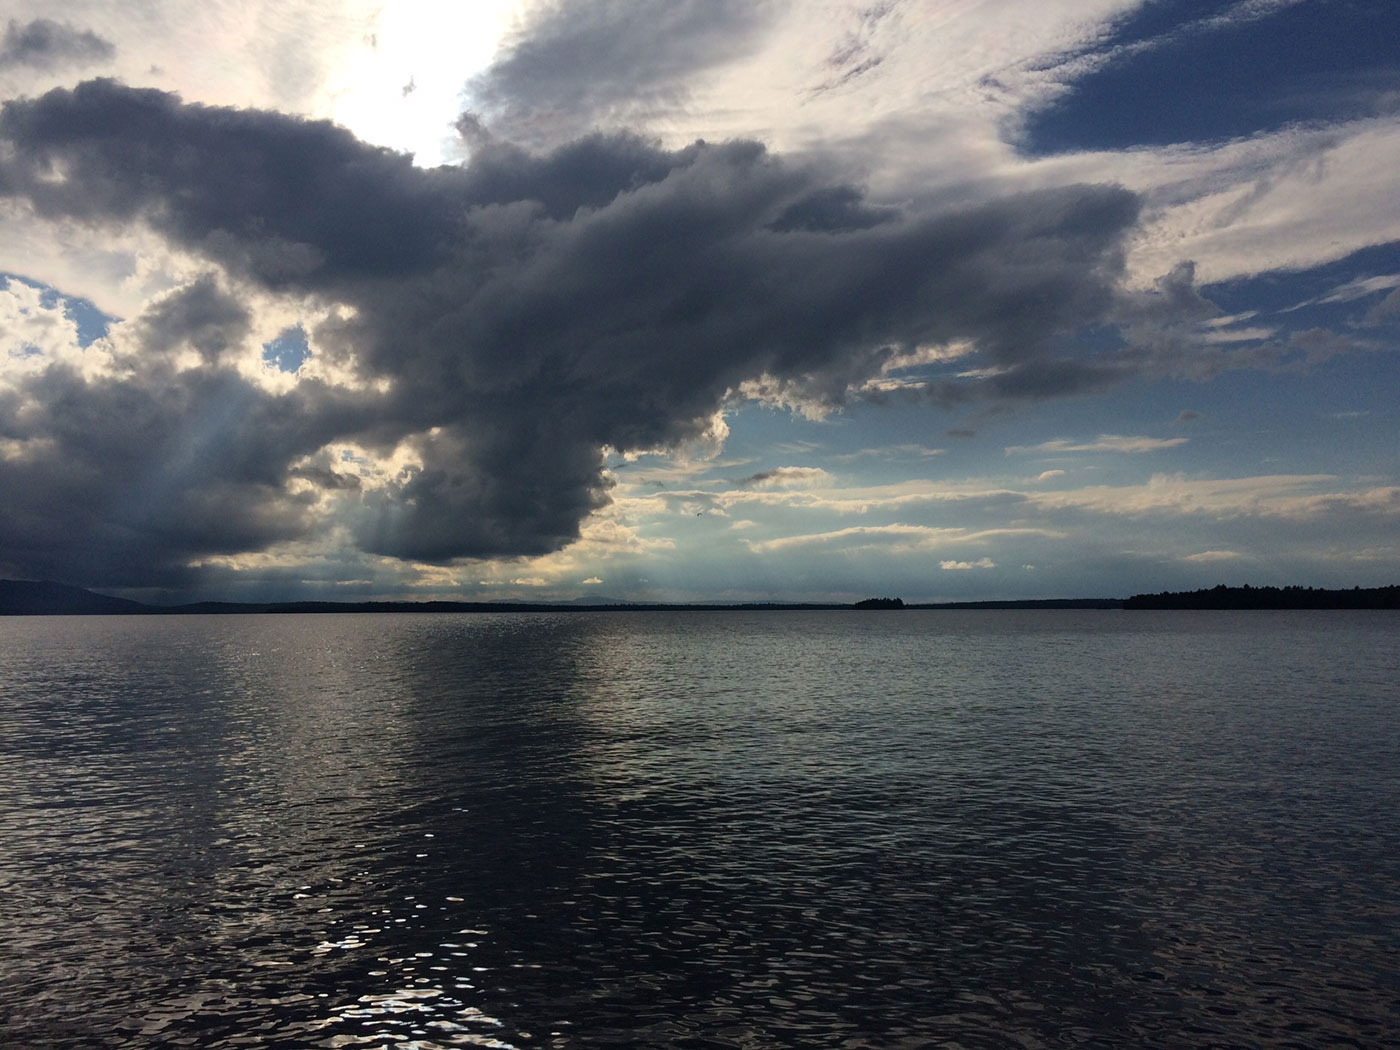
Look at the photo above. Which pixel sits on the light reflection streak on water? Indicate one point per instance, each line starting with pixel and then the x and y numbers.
pixel 197 837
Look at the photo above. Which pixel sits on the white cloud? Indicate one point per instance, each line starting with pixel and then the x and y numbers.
pixel 890 452
pixel 1238 335
pixel 1103 443
pixel 31 333
pixel 964 566
pixel 1287 200
pixel 906 537
pixel 1208 556
pixel 1362 287
pixel 1297 496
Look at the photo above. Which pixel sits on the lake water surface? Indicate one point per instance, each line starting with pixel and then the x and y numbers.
pixel 701 830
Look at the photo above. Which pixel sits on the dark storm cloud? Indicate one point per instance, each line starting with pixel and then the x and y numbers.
pixel 580 63
pixel 201 315
pixel 1035 380
pixel 288 202
pixel 1057 378
pixel 44 44
pixel 835 209
pixel 519 314
pixel 122 480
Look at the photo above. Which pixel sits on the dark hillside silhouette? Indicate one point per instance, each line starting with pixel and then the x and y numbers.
pixel 25 597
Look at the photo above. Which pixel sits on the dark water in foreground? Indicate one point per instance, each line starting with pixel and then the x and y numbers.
pixel 696 830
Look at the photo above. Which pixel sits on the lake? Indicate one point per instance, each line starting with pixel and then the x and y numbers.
pixel 701 830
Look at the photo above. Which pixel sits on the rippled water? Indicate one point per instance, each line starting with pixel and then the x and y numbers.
pixel 694 830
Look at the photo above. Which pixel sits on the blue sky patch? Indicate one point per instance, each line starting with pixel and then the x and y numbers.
pixel 288 351
pixel 1178 72
pixel 92 323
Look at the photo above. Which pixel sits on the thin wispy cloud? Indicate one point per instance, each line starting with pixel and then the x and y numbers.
pixel 783 477
pixel 1212 556
pixel 1103 443
pixel 890 452
pixel 923 537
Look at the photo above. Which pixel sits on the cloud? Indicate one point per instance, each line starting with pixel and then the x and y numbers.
pixel 1298 497
pixel 1103 443
pixel 782 477
pixel 1361 288
pixel 45 44
pixel 1385 311
pixel 1037 379
pixel 1209 556
pixel 579 64
pixel 116 479
pixel 1297 198
pixel 35 334
pixel 482 332
pixel 857 52
pixel 1237 335
pixel 905 451
pixel 911 537
pixel 964 566
pixel 1046 475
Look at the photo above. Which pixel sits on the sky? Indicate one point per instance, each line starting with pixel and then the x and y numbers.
pixel 685 300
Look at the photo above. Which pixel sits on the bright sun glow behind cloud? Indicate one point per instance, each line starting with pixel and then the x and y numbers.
pixel 404 88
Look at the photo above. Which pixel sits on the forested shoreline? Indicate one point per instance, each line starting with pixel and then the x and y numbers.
pixel 1247 597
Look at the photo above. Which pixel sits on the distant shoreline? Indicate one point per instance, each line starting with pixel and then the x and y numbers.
pixel 29 598
pixel 1247 597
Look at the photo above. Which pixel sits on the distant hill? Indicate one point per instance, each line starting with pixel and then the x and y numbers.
pixel 28 598
pixel 1246 597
